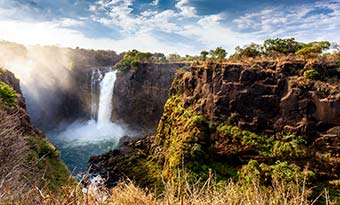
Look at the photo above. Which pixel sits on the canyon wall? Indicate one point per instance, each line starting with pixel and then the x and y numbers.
pixel 225 118
pixel 140 94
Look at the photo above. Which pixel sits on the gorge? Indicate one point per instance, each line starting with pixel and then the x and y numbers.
pixel 152 122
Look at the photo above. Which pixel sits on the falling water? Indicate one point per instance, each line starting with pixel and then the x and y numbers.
pixel 95 78
pixel 83 139
pixel 105 100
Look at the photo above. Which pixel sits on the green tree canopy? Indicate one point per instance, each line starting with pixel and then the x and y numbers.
pixel 313 49
pixel 204 55
pixel 252 50
pixel 174 57
pixel 282 46
pixel 219 53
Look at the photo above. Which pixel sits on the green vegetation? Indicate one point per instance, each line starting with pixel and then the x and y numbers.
pixel 8 96
pixel 204 55
pixel 279 146
pixel 312 74
pixel 282 46
pixel 251 51
pixel 270 48
pixel 278 46
pixel 313 49
pixel 132 59
pixel 282 172
pixel 48 160
pixel 218 54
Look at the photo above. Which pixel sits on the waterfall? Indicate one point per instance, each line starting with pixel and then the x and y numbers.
pixel 105 99
pixel 82 139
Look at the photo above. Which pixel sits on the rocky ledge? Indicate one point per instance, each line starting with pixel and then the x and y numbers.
pixel 222 118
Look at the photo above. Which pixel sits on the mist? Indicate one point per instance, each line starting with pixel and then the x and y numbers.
pixel 49 79
pixel 44 73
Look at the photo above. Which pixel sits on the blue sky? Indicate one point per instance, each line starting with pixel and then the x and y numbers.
pixel 169 26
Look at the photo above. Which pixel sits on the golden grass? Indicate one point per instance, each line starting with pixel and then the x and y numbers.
pixel 177 193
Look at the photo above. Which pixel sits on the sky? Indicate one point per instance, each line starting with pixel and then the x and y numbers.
pixel 168 26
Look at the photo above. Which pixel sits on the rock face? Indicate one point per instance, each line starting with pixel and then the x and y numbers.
pixel 140 94
pixel 265 100
pixel 22 146
pixel 220 117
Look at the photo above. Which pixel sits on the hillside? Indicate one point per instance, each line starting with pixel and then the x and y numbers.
pixel 27 158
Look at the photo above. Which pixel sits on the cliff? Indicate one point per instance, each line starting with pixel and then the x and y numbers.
pixel 140 94
pixel 227 118
pixel 26 156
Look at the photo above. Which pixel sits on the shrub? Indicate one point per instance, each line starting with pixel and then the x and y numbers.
pixel 135 63
pixel 8 96
pixel 313 49
pixel 289 145
pixel 312 74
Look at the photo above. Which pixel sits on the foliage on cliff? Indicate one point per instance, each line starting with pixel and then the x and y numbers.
pixel 8 96
pixel 133 58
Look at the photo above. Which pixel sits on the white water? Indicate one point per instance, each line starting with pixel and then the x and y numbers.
pixel 80 140
pixel 105 100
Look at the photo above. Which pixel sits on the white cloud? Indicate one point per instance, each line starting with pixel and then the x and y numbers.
pixel 68 22
pixel 116 12
pixel 50 33
pixel 155 3
pixel 211 19
pixel 211 33
pixel 186 10
pixel 305 22
pixel 141 30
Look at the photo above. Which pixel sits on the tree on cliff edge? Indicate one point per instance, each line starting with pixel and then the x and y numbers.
pixel 219 53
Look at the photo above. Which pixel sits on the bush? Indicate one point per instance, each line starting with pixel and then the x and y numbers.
pixel 312 74
pixel 8 96
pixel 135 63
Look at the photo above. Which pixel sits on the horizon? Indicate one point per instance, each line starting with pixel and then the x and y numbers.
pixel 182 26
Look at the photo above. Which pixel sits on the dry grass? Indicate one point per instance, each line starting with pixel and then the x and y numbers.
pixel 15 171
pixel 175 193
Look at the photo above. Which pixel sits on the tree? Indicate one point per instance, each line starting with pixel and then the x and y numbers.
pixel 159 57
pixel 219 53
pixel 252 50
pixel 204 55
pixel 282 46
pixel 174 57
pixel 144 57
pixel 313 49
